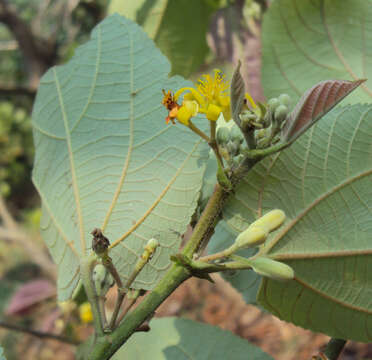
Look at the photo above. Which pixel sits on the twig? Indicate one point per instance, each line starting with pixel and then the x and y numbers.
pixel 39 334
pixel 129 302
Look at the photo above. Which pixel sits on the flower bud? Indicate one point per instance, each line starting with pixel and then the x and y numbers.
pixel 251 237
pixel 285 99
pixel 272 269
pixel 243 147
pixel 260 134
pixel 151 245
pixel 247 117
pixel 237 159
pixel 273 103
pixel 223 135
pixel 280 113
pixel 270 221
pixel 236 134
pixel 232 147
pixel 102 279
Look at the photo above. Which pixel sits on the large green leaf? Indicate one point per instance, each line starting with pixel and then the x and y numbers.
pixel 182 339
pixel 305 42
pixel 106 159
pixel 178 27
pixel 323 183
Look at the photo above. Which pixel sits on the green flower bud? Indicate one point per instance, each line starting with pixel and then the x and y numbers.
pixel 223 135
pixel 247 117
pixel 280 113
pixel 260 134
pixel 149 248
pixel 102 280
pixel 251 237
pixel 237 159
pixel 270 221
pixel 272 269
pixel 152 244
pixel 285 99
pixel 273 103
pixel 243 147
pixel 232 147
pixel 236 134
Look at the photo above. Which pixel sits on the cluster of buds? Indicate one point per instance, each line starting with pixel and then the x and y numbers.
pixel 231 144
pixel 266 120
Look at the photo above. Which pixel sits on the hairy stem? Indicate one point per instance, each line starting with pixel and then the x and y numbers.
pixel 175 276
pixel 107 262
pixel 86 271
pixel 103 350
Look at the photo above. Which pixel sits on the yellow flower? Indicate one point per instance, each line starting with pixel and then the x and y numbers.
pixel 188 109
pixel 210 97
pixel 85 312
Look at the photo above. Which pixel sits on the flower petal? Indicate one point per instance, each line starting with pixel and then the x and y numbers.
pixel 184 115
pixel 213 112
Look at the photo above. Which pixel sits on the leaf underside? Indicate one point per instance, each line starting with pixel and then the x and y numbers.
pixel 182 339
pixel 316 102
pixel 323 183
pixel 305 42
pixel 106 159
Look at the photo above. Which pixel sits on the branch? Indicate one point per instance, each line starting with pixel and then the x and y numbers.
pixel 39 334
pixel 38 56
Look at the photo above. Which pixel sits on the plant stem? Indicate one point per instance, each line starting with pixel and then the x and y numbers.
pixel 208 220
pixel 86 270
pixel 175 276
pixel 103 350
pixel 334 348
pixel 107 262
pixel 213 143
pixel 197 131
pixel 39 334
pixel 219 255
pixel 130 301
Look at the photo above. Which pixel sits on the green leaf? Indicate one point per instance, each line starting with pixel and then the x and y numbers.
pixel 323 183
pixel 178 28
pixel 180 339
pixel 305 42
pixel 105 157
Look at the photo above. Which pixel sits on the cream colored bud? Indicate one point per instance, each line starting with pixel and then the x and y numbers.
pixel 272 269
pixel 270 221
pixel 152 244
pixel 253 236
